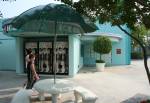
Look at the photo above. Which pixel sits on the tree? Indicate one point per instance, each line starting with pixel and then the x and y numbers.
pixel 102 45
pixel 141 33
pixel 118 12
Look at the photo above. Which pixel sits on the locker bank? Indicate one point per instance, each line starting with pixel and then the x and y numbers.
pixel 43 50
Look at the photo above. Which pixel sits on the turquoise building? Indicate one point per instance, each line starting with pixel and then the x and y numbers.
pixel 7 51
pixel 73 51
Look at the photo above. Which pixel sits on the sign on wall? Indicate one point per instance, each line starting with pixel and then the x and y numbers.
pixel 118 51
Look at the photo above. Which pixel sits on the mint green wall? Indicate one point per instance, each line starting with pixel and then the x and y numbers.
pixel 74 54
pixel 89 55
pixel 124 44
pixel 124 57
pixel 81 62
pixel 7 54
pixel 118 59
pixel 19 55
pixel 7 51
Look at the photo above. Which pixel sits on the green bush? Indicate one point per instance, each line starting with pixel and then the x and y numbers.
pixel 136 55
pixel 102 45
pixel 100 61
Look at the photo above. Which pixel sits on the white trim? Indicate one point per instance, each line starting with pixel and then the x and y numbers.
pixel 91 36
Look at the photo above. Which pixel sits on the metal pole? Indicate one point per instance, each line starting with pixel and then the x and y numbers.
pixel 54 51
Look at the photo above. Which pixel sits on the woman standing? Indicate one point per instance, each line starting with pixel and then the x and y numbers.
pixel 32 75
pixel 28 51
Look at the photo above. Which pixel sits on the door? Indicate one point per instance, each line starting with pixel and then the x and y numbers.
pixel 62 58
pixel 45 57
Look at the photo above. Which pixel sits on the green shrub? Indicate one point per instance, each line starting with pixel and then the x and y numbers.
pixel 102 45
pixel 100 61
pixel 136 55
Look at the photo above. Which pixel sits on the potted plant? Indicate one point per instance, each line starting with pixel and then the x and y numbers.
pixel 101 45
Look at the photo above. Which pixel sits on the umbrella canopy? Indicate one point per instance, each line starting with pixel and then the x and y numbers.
pixel 48 20
pixel 41 19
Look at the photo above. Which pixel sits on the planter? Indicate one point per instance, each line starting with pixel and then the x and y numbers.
pixel 100 67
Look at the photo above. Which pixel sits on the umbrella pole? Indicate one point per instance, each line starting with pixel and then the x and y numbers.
pixel 54 64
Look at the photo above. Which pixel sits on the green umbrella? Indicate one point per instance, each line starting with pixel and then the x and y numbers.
pixel 47 20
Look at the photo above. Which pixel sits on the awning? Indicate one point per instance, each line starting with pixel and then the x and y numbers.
pixel 91 36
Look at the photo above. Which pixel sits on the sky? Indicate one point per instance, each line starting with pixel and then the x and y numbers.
pixel 11 9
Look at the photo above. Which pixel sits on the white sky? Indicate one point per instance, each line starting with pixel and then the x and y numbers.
pixel 11 9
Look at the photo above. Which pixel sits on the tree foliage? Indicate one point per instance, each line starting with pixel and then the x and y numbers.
pixel 141 33
pixel 117 12
pixel 102 45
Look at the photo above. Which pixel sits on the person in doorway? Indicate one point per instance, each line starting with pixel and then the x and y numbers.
pixel 31 71
pixel 27 60
pixel 28 51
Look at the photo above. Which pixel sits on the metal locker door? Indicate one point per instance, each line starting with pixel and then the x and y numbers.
pixel 62 58
pixel 45 55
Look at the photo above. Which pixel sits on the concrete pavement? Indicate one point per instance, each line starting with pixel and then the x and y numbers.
pixel 114 85
pixel 117 83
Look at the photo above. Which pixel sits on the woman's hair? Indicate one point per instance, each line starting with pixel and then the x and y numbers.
pixel 31 56
pixel 29 51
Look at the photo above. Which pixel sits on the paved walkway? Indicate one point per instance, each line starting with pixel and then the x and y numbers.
pixel 114 85
pixel 117 83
